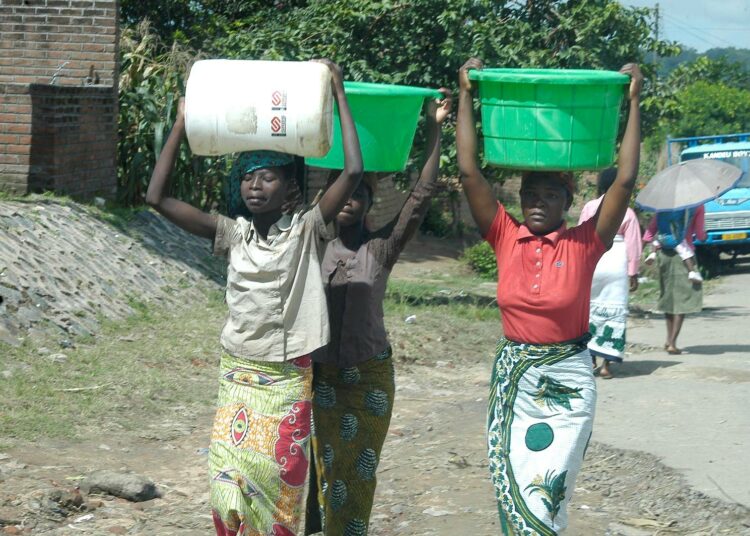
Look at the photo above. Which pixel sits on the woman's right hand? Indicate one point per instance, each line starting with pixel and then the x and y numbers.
pixel 464 84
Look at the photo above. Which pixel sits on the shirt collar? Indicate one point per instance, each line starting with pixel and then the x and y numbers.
pixel 553 237
pixel 282 225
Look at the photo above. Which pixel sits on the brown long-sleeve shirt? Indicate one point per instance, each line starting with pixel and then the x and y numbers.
pixel 355 284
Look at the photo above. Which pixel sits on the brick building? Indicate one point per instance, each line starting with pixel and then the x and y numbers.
pixel 58 96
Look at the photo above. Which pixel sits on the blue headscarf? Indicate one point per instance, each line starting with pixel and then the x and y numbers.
pixel 245 163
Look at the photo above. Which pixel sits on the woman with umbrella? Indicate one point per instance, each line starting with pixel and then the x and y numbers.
pixel 677 195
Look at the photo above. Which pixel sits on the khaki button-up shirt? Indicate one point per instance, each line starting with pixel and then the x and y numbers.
pixel 277 306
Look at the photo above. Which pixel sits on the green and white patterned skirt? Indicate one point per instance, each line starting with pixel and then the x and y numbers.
pixel 541 413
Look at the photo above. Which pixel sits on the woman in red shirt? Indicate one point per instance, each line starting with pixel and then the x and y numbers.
pixel 542 394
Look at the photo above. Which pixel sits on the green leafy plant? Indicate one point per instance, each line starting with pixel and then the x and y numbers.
pixel 152 77
pixel 481 258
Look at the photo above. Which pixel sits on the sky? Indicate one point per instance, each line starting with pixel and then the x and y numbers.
pixel 702 24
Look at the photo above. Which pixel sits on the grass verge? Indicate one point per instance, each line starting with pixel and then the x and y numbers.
pixel 142 367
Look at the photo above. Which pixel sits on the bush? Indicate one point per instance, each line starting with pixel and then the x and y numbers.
pixel 437 222
pixel 481 259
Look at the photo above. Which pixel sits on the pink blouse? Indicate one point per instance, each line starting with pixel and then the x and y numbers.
pixel 630 230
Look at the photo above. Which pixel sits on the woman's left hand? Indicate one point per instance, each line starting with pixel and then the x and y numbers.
pixel 633 283
pixel 443 106
pixel 337 75
pixel 636 79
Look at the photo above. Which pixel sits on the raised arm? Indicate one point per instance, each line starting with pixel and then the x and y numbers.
pixel 479 194
pixel 178 212
pixel 415 207
pixel 336 196
pixel 616 200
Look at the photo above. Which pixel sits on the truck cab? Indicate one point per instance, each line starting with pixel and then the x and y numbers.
pixel 727 217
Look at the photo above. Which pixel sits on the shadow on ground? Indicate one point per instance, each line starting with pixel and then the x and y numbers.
pixel 719 312
pixel 717 349
pixel 631 369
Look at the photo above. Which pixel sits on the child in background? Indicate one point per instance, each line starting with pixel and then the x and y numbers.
pixel 674 230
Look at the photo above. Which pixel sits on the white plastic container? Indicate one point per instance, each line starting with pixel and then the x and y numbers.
pixel 239 105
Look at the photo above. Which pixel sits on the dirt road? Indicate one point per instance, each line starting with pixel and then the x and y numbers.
pixel 433 478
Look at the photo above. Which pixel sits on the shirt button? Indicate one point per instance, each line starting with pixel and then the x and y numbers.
pixel 538 275
pixel 538 263
pixel 535 286
pixel 538 250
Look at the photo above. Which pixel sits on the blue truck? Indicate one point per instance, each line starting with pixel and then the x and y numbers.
pixel 727 217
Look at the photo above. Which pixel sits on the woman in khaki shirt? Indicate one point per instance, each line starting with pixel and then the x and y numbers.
pixel 258 457
pixel 354 378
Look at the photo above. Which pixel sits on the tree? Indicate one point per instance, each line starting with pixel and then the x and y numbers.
pixel 423 42
pixel 413 42
pixel 706 108
pixel 194 22
pixel 700 97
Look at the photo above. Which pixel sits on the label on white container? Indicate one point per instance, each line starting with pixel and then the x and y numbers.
pixel 236 105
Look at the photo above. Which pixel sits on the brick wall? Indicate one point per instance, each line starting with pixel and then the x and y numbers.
pixel 58 96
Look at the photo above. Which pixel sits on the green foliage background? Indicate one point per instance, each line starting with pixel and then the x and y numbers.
pixel 413 42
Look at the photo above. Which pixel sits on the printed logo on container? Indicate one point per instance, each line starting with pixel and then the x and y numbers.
pixel 278 126
pixel 278 100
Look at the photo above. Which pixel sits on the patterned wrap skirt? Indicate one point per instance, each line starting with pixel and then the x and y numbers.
pixel 351 413
pixel 541 412
pixel 258 456
pixel 609 303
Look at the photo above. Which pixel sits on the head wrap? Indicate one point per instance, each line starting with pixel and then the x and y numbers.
pixel 564 178
pixel 370 180
pixel 245 163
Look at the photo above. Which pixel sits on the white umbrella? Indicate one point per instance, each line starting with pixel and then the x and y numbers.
pixel 688 184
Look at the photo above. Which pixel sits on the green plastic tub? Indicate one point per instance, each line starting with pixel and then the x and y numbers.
pixel 550 119
pixel 386 120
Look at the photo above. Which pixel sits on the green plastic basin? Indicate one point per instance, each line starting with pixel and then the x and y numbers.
pixel 550 119
pixel 386 120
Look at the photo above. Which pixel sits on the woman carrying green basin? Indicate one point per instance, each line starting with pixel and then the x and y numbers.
pixel 542 394
pixel 353 379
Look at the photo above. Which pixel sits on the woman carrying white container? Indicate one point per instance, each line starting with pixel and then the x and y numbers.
pixel 542 394
pixel 258 456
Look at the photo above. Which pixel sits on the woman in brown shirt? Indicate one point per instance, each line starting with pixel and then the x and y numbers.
pixel 353 381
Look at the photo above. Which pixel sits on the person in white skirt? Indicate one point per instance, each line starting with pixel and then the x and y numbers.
pixel 616 274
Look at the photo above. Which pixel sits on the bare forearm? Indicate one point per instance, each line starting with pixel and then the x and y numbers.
pixel 615 203
pixel 353 166
pixel 337 194
pixel 178 212
pixel 432 153
pixel 466 136
pixel 630 148
pixel 479 194
pixel 159 185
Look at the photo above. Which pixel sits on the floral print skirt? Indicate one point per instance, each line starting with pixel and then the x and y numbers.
pixel 540 418
pixel 259 452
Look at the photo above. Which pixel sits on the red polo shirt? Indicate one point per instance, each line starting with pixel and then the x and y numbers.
pixel 544 282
